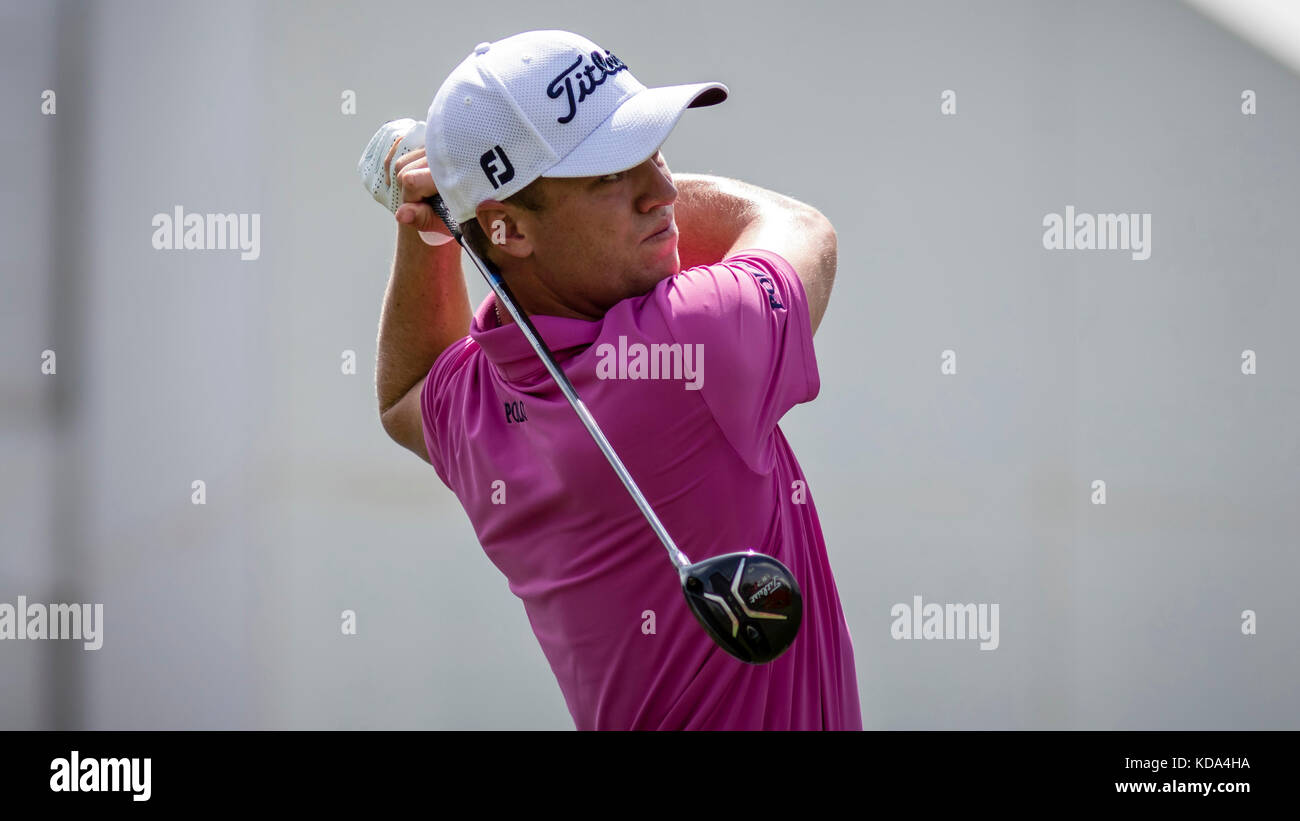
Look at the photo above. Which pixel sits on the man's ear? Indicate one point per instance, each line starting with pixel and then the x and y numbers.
pixel 498 223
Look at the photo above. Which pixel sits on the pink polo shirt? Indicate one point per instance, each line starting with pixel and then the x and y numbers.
pixel 688 383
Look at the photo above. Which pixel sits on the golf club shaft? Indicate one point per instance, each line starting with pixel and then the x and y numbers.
pixel 504 297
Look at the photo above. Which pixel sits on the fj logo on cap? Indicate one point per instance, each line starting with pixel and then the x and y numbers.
pixel 497 173
pixel 607 64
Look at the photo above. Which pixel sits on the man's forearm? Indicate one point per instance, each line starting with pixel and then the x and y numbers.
pixel 712 213
pixel 426 308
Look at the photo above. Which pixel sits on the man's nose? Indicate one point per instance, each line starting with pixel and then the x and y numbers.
pixel 658 184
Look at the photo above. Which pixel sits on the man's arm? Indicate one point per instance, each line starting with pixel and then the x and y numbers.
pixel 426 308
pixel 717 216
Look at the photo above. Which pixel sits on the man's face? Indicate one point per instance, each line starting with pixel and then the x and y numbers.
pixel 592 243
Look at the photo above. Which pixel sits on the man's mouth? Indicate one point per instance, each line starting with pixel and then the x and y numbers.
pixel 667 231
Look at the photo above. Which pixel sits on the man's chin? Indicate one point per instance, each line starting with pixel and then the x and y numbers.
pixel 674 265
pixel 664 269
pixel 670 270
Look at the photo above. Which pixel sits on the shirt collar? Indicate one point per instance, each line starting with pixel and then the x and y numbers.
pixel 507 348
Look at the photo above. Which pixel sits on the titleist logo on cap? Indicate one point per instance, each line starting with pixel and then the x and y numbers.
pixel 607 64
pixel 548 99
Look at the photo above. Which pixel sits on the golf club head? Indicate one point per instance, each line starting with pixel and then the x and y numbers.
pixel 748 602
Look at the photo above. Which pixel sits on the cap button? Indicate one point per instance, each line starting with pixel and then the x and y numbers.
pixel 482 48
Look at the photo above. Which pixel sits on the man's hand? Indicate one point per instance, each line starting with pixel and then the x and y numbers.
pixel 401 143
pixel 416 181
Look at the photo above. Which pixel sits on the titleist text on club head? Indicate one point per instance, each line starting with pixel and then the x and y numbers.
pixel 748 602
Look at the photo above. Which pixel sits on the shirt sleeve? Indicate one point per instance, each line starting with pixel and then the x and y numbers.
pixel 750 313
pixel 435 404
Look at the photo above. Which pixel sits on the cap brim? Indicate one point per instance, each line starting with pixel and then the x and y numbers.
pixel 635 130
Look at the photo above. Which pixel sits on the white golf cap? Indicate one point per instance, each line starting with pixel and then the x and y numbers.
pixel 545 104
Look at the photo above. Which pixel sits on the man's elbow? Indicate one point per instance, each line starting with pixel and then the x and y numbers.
pixel 830 245
pixel 386 425
pixel 823 243
pixel 404 422
pixel 818 233
pixel 386 419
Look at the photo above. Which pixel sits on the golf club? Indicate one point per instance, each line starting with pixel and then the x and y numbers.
pixel 748 602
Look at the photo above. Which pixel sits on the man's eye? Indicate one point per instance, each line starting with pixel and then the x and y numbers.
pixel 613 177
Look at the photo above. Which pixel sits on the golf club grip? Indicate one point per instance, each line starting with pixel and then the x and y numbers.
pixel 444 213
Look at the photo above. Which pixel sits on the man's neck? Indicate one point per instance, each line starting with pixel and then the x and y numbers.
pixel 539 303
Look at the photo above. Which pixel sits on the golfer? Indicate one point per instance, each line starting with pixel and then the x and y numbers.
pixel 682 307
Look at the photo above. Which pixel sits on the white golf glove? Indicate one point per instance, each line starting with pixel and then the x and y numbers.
pixel 384 187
